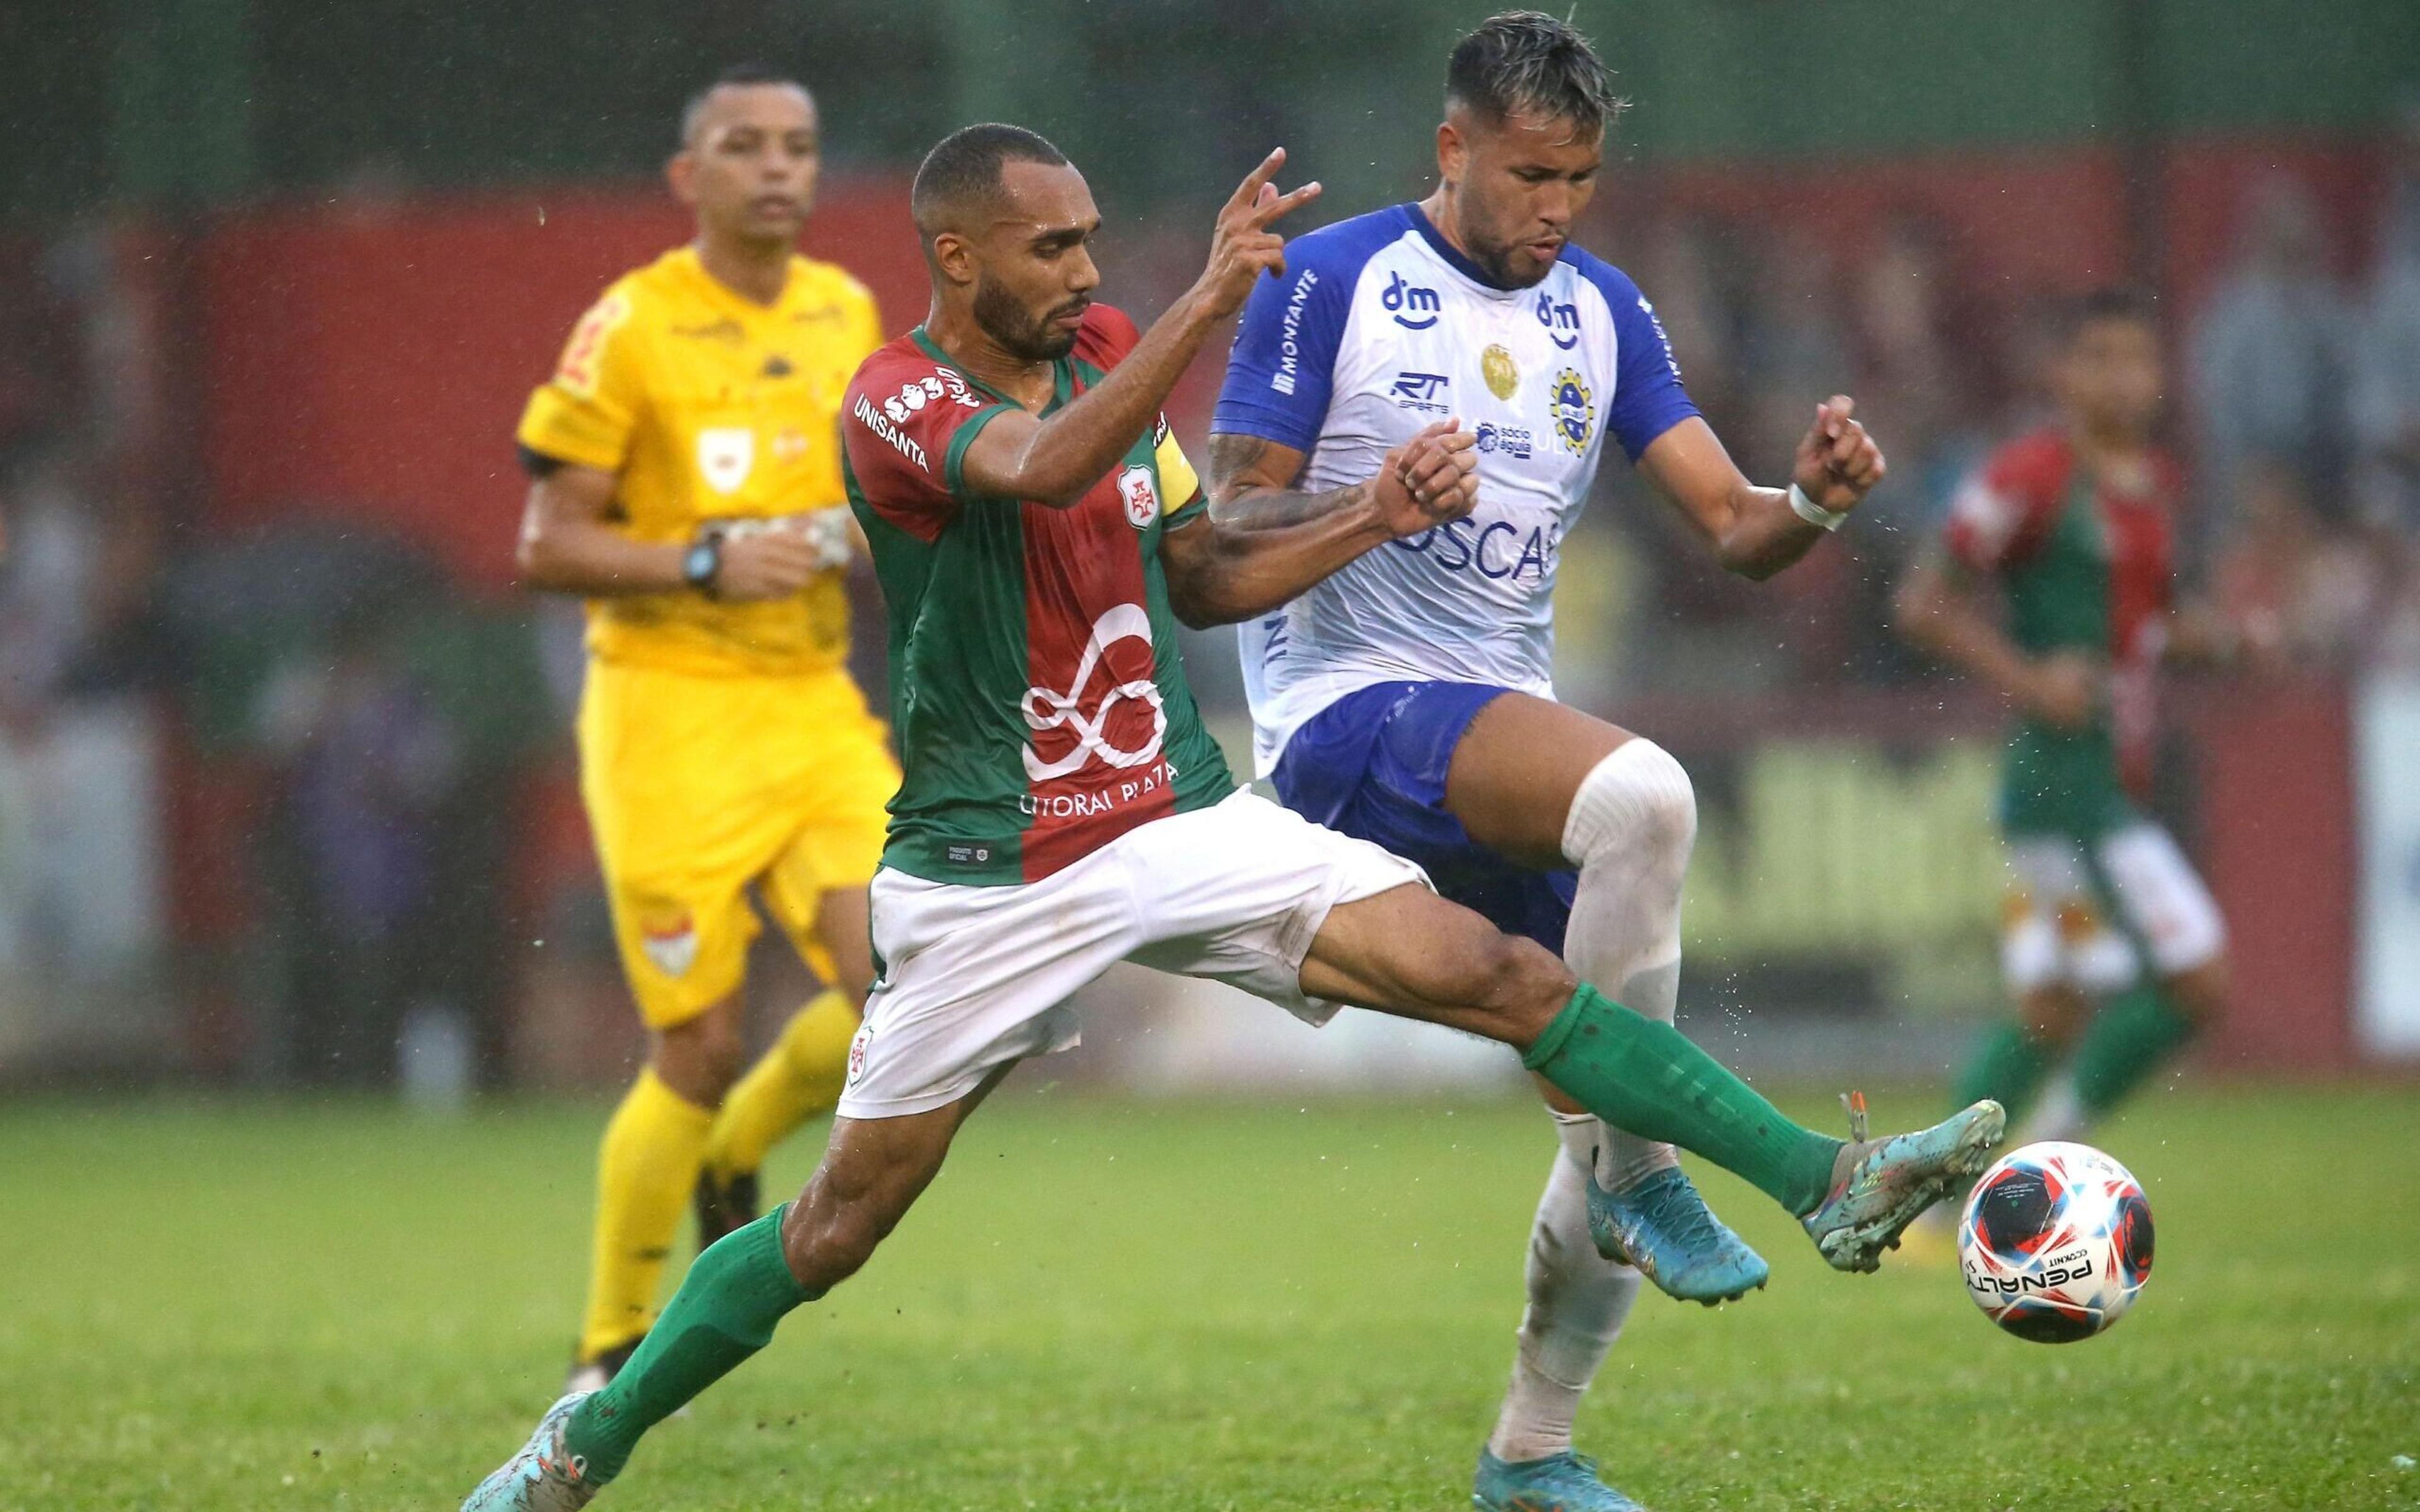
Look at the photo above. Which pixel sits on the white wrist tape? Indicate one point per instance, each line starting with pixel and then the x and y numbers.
pixel 1813 513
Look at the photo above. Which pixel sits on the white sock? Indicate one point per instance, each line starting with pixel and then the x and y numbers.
pixel 1577 1302
pixel 2059 1115
pixel 1629 831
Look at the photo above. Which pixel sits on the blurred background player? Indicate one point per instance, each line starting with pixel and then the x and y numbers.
pixel 1409 699
pixel 688 482
pixel 2112 945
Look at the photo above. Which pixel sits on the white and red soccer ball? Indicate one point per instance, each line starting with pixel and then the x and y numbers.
pixel 2055 1242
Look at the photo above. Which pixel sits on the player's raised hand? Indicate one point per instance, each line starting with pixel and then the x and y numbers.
pixel 1242 247
pixel 1838 462
pixel 1430 480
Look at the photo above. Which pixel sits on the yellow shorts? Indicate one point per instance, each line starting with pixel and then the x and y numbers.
pixel 698 787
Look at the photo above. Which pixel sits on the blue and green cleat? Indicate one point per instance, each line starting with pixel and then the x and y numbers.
pixel 1559 1482
pixel 1664 1227
pixel 1879 1187
pixel 544 1476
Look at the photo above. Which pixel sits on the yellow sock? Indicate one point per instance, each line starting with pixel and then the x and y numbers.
pixel 646 1167
pixel 799 1078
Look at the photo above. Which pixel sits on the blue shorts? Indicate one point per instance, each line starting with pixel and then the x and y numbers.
pixel 1373 765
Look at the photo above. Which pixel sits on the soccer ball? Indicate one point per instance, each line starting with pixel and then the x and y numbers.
pixel 2055 1242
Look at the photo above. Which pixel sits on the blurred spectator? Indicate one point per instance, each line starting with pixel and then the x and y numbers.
pixel 366 762
pixel 1679 266
pixel 2386 371
pixel 2269 357
pixel 2296 580
pixel 1795 353
pixel 1924 372
pixel 49 577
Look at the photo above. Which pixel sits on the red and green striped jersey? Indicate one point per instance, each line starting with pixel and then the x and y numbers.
pixel 1036 688
pixel 2085 567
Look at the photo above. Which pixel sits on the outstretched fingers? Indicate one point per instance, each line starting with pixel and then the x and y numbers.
pixel 1249 192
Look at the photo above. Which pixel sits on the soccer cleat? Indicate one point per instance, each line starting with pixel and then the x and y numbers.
pixel 1566 1482
pixel 544 1476
pixel 1931 1242
pixel 1879 1187
pixel 723 1206
pixel 1664 1227
pixel 592 1375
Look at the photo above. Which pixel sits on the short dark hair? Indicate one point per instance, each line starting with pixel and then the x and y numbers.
pixel 963 169
pixel 2111 301
pixel 737 75
pixel 1527 61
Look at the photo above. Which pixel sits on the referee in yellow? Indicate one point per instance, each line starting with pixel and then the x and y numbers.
pixel 687 483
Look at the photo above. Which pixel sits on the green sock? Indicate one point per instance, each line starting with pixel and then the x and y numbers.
pixel 1646 1079
pixel 2128 1038
pixel 2009 1068
pixel 724 1312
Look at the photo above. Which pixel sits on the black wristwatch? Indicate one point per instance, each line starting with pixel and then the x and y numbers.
pixel 702 562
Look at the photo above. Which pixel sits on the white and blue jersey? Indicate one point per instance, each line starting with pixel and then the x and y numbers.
pixel 1378 329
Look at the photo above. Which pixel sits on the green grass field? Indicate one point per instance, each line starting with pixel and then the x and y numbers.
pixel 1119 1306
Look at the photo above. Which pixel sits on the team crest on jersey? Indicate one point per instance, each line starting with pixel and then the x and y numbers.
pixel 1572 408
pixel 724 454
pixel 1142 496
pixel 669 941
pixel 1502 373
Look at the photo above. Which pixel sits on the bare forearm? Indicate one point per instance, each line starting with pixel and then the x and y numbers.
pixel 1765 535
pixel 596 561
pixel 1072 449
pixel 1261 509
pixel 1961 635
pixel 1252 561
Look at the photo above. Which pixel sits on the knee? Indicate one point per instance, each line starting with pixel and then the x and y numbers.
pixel 702 1060
pixel 1636 802
pixel 2051 1016
pixel 2201 995
pixel 1524 986
pixel 826 1247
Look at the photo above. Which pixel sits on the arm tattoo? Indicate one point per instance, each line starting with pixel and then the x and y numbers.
pixel 1241 506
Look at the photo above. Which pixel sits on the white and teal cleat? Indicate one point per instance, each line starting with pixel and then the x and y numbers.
pixel 1664 1227
pixel 1559 1482
pixel 544 1476
pixel 1879 1187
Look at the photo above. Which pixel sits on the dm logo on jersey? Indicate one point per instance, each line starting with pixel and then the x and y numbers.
pixel 724 454
pixel 1502 373
pixel 1142 499
pixel 669 943
pixel 1562 322
pixel 1047 710
pixel 1573 409
pixel 1414 308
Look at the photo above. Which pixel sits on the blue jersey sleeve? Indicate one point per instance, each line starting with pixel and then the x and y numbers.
pixel 1648 397
pixel 1284 366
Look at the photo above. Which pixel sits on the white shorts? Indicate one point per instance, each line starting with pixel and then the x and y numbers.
pixel 2060 930
pixel 975 977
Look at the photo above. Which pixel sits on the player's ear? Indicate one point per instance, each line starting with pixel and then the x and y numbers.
pixel 680 172
pixel 953 256
pixel 1451 152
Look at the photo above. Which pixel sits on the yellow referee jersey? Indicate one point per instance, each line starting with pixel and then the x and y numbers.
pixel 710 408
